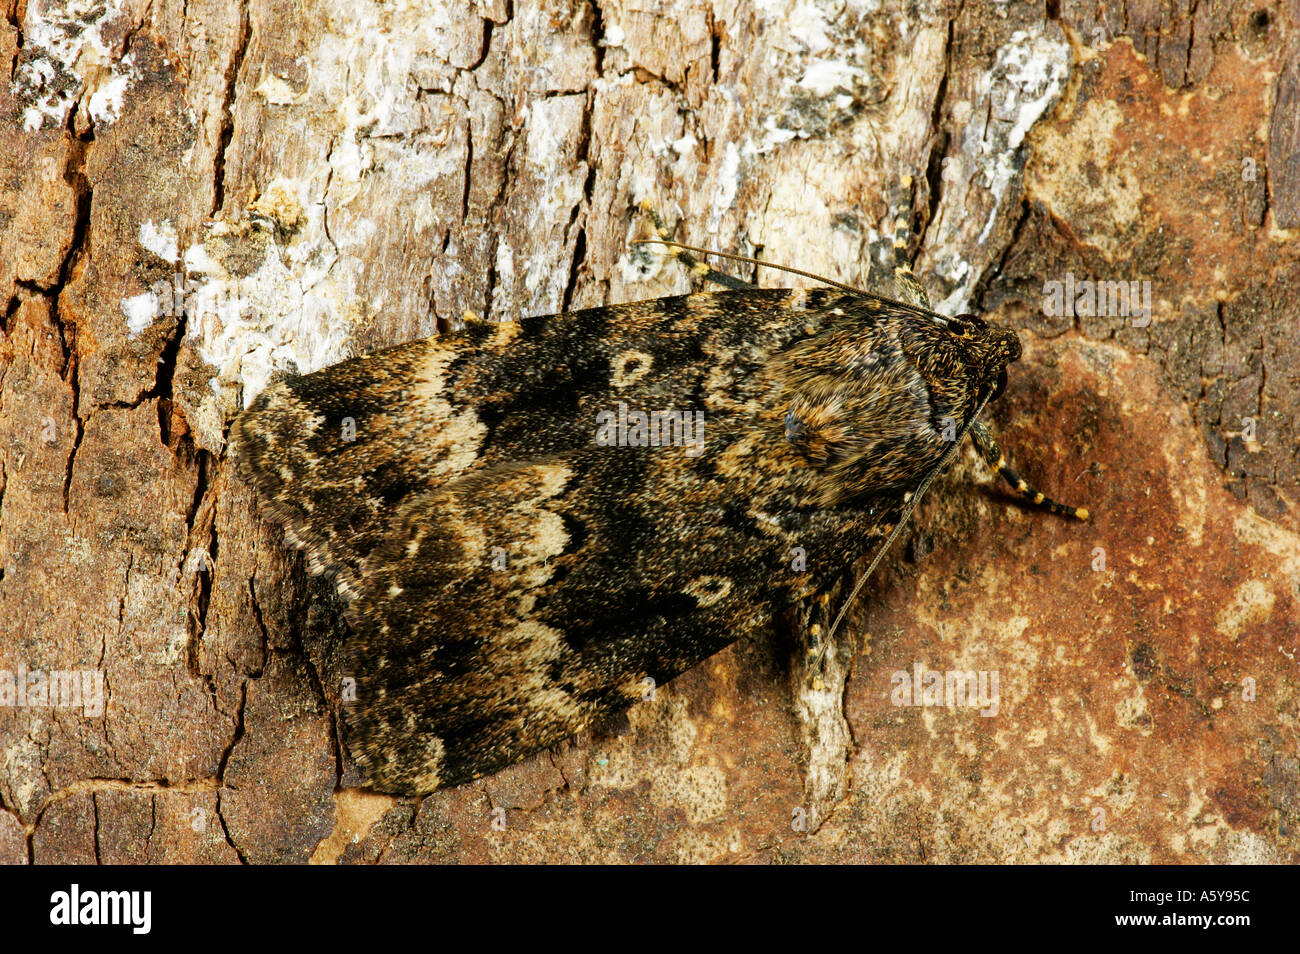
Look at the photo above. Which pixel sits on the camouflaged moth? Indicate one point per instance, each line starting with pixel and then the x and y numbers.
pixel 511 577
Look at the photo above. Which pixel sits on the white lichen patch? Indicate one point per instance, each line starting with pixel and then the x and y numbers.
pixel 254 308
pixel 727 185
pixel 345 226
pixel 551 128
pixel 106 101
pixel 1027 78
pixel 140 311
pixel 828 60
pixel 1284 544
pixel 1252 603
pixel 1131 710
pixel 278 92
pixel 160 238
pixel 641 264
pixel 1187 485
pixel 614 36
pixel 66 59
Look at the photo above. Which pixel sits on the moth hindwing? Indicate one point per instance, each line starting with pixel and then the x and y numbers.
pixel 521 546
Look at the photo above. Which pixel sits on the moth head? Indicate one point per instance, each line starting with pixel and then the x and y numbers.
pixel 993 346
pixel 1006 343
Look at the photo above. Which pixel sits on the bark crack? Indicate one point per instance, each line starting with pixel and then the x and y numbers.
pixel 94 809
pixel 78 430
pixel 494 212
pixel 583 155
pixel 121 603
pixel 224 762
pixel 469 165
pixel 1191 39
pixel 1263 380
pixel 598 36
pixel 228 109
pixel 999 269
pixel 11 309
pixel 11 15
pixel 715 46
pixel 200 525
pixel 298 646
pixel 74 175
pixel 261 626
pixel 555 764
pixel 939 144
pixel 325 206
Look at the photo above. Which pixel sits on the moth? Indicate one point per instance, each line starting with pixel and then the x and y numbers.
pixel 528 520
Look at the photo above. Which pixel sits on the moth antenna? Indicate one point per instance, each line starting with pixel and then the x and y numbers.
pixel 938 318
pixel 754 261
pixel 898 529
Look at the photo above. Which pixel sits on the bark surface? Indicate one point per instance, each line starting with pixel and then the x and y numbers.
pixel 195 196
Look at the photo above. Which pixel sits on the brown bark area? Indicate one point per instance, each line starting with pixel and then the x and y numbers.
pixel 323 180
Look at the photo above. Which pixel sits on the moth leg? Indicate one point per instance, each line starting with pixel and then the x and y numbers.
pixel 890 252
pixel 987 446
pixel 698 269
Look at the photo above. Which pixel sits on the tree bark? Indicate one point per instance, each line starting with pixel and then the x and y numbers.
pixel 198 196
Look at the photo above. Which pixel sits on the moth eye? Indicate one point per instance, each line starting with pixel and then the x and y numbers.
pixel 974 321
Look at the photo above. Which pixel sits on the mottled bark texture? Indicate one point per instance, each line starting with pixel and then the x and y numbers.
pixel 195 196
